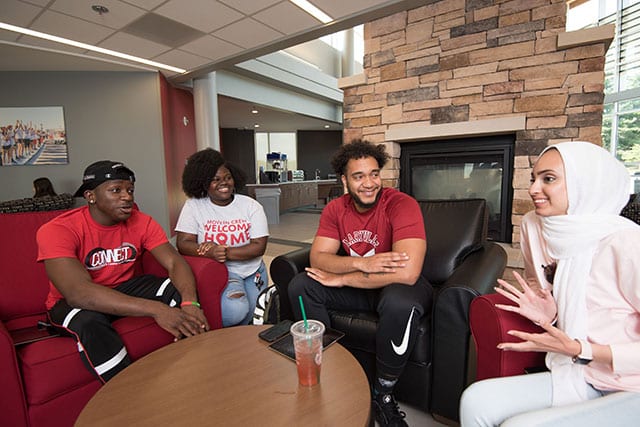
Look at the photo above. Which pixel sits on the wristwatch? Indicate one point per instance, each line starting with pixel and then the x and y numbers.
pixel 586 353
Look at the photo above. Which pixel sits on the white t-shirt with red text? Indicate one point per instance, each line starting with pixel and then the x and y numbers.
pixel 233 225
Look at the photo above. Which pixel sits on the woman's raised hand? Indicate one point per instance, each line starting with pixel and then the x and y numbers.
pixel 536 305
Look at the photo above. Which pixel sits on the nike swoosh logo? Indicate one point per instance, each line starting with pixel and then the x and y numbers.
pixel 402 348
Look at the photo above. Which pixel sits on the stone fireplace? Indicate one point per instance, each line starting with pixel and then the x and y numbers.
pixel 472 68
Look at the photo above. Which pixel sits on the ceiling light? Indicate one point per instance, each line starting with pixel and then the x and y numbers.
pixel 327 126
pixel 256 125
pixel 312 10
pixel 69 42
pixel 254 110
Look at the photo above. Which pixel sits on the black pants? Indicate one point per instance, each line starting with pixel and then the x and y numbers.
pixel 399 307
pixel 101 348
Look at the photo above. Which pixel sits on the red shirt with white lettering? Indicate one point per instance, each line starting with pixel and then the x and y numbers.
pixel 396 216
pixel 109 253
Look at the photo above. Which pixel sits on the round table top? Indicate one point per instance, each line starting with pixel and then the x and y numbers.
pixel 230 377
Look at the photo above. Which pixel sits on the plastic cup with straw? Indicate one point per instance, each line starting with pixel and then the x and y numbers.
pixel 307 341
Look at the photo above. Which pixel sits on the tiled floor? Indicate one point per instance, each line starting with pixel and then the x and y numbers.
pixel 295 230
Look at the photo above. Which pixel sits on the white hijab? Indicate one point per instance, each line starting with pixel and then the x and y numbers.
pixel 597 189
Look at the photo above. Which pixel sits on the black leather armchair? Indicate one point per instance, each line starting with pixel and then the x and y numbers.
pixel 460 264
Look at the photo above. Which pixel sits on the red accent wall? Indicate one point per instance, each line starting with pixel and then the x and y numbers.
pixel 179 142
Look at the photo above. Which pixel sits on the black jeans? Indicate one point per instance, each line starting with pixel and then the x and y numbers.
pixel 100 347
pixel 399 307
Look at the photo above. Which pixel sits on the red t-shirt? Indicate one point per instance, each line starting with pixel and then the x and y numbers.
pixel 396 216
pixel 109 253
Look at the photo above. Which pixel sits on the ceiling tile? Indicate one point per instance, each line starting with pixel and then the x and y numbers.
pixel 162 30
pixel 340 8
pixel 71 28
pixel 146 4
pixel 133 45
pixel 248 33
pixel 17 13
pixel 296 18
pixel 9 36
pixel 119 15
pixel 249 6
pixel 123 62
pixel 205 15
pixel 34 41
pixel 181 59
pixel 41 3
pixel 211 47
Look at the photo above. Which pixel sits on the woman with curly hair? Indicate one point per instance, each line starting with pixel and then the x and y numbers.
pixel 218 223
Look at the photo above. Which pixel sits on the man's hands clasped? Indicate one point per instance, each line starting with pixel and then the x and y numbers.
pixel 386 262
pixel 182 322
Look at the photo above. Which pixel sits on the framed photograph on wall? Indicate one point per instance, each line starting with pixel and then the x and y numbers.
pixel 33 136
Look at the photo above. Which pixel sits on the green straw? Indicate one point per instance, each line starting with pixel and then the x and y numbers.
pixel 304 315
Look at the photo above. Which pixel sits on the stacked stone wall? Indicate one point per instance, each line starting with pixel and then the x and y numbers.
pixel 453 61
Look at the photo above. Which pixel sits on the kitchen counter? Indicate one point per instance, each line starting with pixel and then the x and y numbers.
pixel 297 194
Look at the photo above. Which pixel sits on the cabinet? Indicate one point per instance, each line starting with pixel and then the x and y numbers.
pixel 292 194
pixel 297 194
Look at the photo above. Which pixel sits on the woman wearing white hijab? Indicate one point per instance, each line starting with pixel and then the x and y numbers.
pixel 589 309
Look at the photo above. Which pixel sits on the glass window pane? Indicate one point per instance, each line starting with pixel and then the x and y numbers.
pixel 629 137
pixel 606 130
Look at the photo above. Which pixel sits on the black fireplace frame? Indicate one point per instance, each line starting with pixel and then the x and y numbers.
pixel 501 146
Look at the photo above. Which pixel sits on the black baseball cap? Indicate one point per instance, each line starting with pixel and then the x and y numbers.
pixel 102 171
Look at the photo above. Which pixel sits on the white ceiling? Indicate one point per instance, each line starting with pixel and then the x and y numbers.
pixel 197 35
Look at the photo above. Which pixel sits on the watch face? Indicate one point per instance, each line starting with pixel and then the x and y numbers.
pixel 581 361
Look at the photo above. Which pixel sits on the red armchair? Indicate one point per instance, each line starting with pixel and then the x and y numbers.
pixel 45 383
pixel 489 326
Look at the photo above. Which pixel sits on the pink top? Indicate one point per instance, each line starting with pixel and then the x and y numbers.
pixel 613 301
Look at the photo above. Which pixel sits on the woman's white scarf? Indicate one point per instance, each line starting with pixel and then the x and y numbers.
pixel 597 188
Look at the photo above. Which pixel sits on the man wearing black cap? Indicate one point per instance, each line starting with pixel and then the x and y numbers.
pixel 90 254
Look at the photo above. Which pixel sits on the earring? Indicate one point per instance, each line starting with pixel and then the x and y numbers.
pixel 91 202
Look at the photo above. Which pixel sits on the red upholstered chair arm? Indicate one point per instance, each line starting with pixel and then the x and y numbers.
pixel 211 279
pixel 489 326
pixel 13 407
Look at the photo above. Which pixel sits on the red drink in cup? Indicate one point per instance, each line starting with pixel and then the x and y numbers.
pixel 307 342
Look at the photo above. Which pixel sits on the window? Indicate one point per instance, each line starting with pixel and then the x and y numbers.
pixel 621 116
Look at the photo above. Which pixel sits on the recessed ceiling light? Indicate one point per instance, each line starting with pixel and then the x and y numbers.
pixel 256 125
pixel 327 126
pixel 254 110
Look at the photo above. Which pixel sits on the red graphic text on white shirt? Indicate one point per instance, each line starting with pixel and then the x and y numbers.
pixel 227 233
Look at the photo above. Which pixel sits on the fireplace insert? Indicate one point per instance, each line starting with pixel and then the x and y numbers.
pixel 474 167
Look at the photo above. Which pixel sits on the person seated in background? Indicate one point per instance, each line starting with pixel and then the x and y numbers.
pixel 218 223
pixel 90 255
pixel 382 231
pixel 577 245
pixel 43 187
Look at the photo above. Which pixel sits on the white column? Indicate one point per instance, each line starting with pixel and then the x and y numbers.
pixel 205 100
pixel 348 54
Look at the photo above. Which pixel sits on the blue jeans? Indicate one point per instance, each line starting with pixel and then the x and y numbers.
pixel 525 400
pixel 240 296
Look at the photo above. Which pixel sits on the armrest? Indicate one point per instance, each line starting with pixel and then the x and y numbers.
pixel 476 275
pixel 489 326
pixel 283 268
pixel 13 407
pixel 211 279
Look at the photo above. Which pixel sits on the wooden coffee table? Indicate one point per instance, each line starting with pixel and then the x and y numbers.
pixel 230 377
